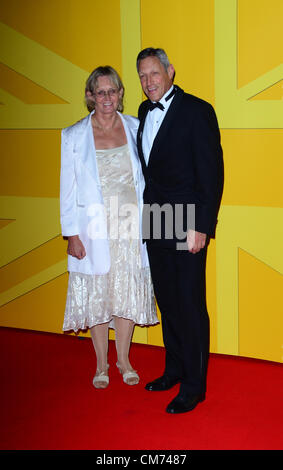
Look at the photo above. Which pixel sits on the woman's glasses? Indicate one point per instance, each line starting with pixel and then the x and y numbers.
pixel 101 94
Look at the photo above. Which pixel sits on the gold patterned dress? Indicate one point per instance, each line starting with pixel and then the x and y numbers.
pixel 126 290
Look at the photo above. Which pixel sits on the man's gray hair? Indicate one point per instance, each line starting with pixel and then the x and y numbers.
pixel 151 52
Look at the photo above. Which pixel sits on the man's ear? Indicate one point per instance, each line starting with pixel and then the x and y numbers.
pixel 171 71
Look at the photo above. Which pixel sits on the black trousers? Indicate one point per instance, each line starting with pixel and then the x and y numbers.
pixel 179 286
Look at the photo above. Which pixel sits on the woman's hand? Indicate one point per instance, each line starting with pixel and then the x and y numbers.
pixel 196 241
pixel 75 247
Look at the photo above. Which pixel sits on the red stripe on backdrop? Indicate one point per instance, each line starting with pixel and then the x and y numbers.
pixel 48 400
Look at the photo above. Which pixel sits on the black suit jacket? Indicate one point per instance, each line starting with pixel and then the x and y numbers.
pixel 185 164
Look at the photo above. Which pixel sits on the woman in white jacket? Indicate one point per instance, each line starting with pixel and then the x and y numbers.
pixel 101 201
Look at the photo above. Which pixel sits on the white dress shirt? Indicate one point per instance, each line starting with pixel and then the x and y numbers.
pixel 152 124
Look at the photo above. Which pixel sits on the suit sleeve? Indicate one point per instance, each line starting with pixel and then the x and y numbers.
pixel 208 161
pixel 68 187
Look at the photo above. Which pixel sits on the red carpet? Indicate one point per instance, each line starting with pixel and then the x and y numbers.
pixel 48 401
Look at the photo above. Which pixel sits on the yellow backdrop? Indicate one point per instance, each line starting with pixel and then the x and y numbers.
pixel 228 52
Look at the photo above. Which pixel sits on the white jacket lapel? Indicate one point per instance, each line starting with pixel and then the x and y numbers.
pixel 86 147
pixel 131 139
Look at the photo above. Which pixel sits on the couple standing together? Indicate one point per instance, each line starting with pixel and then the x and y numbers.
pixel 170 156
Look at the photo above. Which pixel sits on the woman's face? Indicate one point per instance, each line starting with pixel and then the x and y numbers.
pixel 106 96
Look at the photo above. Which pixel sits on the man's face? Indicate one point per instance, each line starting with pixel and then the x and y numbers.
pixel 155 80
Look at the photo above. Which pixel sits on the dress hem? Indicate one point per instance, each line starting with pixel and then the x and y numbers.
pixel 112 327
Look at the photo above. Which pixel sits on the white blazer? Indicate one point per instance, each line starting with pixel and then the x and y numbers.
pixel 81 195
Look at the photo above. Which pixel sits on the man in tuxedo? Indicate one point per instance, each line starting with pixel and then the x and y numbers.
pixel 179 148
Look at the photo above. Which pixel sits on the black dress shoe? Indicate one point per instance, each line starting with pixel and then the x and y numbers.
pixel 182 403
pixel 162 383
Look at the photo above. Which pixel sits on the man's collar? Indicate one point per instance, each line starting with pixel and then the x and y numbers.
pixel 163 99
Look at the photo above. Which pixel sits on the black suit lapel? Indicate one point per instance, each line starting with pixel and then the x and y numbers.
pixel 170 116
pixel 139 138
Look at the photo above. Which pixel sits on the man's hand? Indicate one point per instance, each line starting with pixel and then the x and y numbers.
pixel 195 240
pixel 75 247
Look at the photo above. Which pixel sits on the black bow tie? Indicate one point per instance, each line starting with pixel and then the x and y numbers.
pixel 159 105
pixel 156 105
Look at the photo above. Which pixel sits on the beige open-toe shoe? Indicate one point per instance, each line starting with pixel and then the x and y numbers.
pixel 130 377
pixel 101 379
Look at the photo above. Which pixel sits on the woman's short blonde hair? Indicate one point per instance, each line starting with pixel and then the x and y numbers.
pixel 91 85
